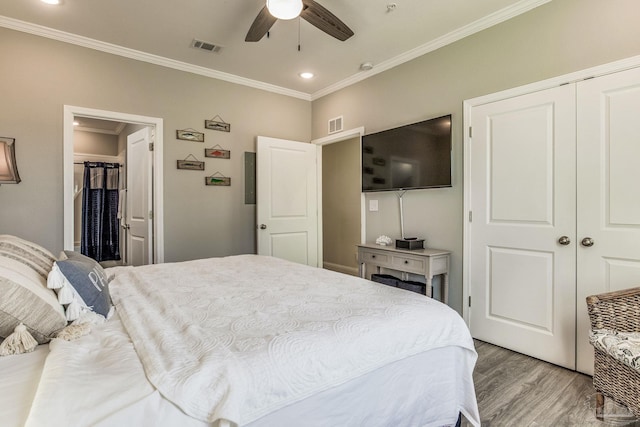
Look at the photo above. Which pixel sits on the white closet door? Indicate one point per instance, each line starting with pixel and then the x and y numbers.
pixel 522 175
pixel 608 193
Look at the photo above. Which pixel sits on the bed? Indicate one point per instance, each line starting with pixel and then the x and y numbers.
pixel 248 341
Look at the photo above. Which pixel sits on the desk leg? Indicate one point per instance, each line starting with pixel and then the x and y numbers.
pixel 361 268
pixel 445 288
pixel 428 285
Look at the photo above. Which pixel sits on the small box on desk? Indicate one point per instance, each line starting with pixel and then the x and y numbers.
pixel 410 244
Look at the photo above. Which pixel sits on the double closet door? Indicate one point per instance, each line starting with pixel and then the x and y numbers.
pixel 554 200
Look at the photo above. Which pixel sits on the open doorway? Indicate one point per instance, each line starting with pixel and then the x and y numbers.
pixel 342 224
pixel 112 140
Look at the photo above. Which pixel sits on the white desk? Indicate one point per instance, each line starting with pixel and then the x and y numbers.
pixel 425 262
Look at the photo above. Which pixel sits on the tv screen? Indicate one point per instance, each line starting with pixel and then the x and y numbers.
pixel 408 157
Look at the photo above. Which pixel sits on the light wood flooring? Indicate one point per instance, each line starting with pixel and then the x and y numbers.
pixel 516 390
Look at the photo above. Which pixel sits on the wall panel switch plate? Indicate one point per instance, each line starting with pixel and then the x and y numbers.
pixel 373 205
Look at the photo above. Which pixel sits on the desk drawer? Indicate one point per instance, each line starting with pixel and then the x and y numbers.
pixel 409 264
pixel 375 258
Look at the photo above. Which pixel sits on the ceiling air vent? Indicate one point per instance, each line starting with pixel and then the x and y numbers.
pixel 335 124
pixel 209 47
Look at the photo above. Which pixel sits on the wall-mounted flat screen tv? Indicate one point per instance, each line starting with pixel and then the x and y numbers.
pixel 408 157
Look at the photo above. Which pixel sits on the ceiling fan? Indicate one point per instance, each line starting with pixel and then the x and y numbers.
pixel 308 10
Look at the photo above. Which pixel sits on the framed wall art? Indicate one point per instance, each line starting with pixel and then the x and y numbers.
pixel 217 179
pixel 190 135
pixel 219 125
pixel 217 152
pixel 194 165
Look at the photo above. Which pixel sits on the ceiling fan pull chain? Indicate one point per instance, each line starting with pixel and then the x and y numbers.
pixel 298 33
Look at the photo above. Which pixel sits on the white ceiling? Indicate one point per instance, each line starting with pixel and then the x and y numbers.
pixel 161 31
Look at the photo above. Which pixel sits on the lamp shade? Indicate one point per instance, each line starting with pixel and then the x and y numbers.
pixel 8 167
pixel 284 9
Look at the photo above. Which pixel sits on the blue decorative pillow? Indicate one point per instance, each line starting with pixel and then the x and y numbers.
pixel 81 284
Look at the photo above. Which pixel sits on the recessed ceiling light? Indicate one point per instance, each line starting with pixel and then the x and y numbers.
pixel 51 1
pixel 306 75
pixel 366 66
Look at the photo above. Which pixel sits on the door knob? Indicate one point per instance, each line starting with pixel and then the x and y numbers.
pixel 564 240
pixel 263 226
pixel 587 241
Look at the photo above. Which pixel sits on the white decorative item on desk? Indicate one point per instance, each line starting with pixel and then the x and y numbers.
pixel 384 240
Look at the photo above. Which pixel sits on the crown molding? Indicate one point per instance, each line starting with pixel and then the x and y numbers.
pixel 50 33
pixel 477 26
pixel 452 37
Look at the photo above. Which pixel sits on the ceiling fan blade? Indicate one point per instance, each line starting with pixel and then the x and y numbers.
pixel 261 25
pixel 324 20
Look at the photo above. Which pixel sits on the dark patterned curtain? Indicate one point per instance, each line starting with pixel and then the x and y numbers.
pixel 100 224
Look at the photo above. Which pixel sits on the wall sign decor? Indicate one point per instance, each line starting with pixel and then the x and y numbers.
pixel 194 165
pixel 217 152
pixel 217 179
pixel 190 135
pixel 220 125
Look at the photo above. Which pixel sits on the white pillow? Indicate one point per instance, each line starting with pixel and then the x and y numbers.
pixel 26 299
pixel 28 253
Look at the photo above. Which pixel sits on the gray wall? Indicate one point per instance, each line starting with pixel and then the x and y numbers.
pixel 555 39
pixel 39 76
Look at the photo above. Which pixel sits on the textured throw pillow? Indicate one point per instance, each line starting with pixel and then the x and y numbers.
pixel 81 284
pixel 28 253
pixel 24 298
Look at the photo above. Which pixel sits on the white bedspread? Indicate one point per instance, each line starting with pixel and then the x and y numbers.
pixel 236 338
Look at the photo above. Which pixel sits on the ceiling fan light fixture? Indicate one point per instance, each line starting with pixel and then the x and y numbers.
pixel 284 9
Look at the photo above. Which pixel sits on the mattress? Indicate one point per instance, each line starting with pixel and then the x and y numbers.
pixel 104 385
pixel 209 333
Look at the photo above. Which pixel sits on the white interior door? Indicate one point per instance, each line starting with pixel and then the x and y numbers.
pixel 608 193
pixel 522 198
pixel 139 198
pixel 287 202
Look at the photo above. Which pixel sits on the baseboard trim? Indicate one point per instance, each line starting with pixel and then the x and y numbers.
pixel 352 271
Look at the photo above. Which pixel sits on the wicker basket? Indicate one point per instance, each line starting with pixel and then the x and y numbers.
pixel 385 279
pixel 412 286
pixel 619 311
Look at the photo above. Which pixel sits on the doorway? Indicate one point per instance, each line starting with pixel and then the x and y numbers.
pixel 344 258
pixel 128 123
pixel 265 228
pixel 341 189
